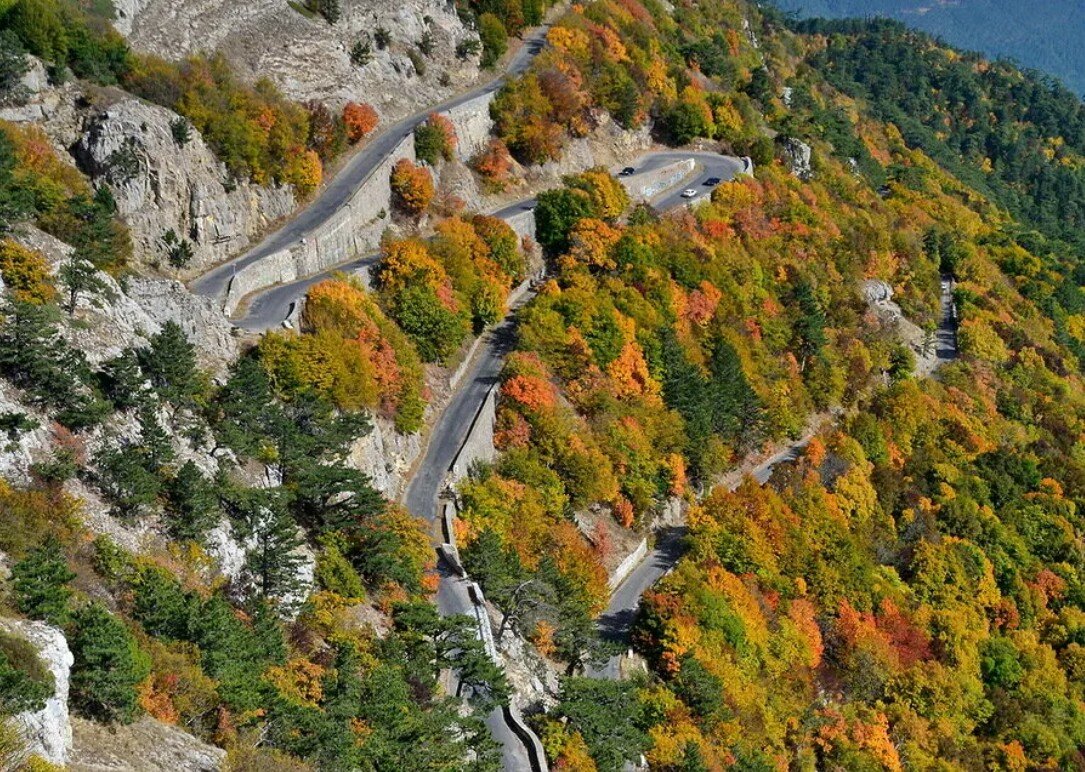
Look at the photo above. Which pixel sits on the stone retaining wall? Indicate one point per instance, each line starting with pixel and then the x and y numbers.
pixel 632 560
pixel 644 187
pixel 473 125
pixel 355 229
pixel 479 443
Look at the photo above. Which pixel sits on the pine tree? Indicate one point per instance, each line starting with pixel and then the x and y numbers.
pixel 123 381
pixel 193 504
pixel 79 278
pixel 272 562
pixel 123 475
pixel 108 666
pixel 809 324
pixel 154 440
pixel 738 414
pixel 40 581
pixel 170 364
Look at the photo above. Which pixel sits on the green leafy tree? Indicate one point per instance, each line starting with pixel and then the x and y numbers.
pixel 430 143
pixel 494 38
pixel 40 27
pixel 40 583
pixel 108 666
pixel 556 212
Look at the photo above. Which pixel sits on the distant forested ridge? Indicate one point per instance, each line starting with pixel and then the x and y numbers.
pixel 1041 35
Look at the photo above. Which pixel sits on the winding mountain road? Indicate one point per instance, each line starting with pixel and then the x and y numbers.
pixel 268 308
pixel 338 191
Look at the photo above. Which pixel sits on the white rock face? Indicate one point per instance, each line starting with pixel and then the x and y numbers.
pixel 51 108
pixel 307 58
pixel 47 732
pixel 143 746
pixel 385 455
pixel 797 155
pixel 160 186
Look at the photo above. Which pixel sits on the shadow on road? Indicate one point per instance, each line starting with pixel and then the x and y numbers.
pixel 615 626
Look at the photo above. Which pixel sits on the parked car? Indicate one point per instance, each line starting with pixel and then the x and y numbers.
pixel 689 193
pixel 627 171
pixel 713 182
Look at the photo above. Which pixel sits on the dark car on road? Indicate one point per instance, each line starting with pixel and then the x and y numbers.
pixel 627 171
pixel 713 182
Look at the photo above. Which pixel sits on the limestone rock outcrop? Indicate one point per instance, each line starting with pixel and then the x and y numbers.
pixel 797 156
pixel 308 58
pixel 47 732
pixel 160 185
pixel 143 746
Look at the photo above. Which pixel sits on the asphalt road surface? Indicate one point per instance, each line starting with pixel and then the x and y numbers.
pixel 268 308
pixel 336 193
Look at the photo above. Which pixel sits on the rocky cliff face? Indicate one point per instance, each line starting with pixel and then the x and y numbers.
pixel 309 58
pixel 47 732
pixel 161 186
pixel 144 746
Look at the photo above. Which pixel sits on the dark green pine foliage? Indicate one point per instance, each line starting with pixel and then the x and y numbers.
pixel 108 666
pixel 122 380
pixel 161 605
pixel 40 583
pixel 15 203
pixel 154 440
pixel 738 412
pixel 272 561
pixel 236 653
pixel 35 357
pixel 808 324
pixel 80 279
pixel 25 681
pixel 609 716
pixel 193 504
pixel 170 365
pixel 723 403
pixel 125 476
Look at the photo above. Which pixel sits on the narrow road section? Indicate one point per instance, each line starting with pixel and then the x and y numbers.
pixel 268 308
pixel 339 190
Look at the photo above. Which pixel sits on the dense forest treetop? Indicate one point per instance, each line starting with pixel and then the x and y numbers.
pixel 1044 35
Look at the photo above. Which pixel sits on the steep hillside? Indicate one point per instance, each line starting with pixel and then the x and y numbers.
pixel 856 273
pixel 1043 36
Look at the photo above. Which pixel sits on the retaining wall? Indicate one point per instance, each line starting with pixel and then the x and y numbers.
pixel 473 125
pixel 479 443
pixel 632 560
pixel 355 229
pixel 523 223
pixel 646 186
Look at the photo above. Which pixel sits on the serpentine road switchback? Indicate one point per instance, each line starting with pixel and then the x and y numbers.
pixel 269 308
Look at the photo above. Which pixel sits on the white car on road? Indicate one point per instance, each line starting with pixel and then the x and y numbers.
pixel 689 193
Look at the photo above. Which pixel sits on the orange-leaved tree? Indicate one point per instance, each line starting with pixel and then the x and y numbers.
pixel 359 119
pixel 412 187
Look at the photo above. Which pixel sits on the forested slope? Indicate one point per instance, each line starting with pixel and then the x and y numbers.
pixel 908 594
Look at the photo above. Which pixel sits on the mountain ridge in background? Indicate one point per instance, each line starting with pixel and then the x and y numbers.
pixel 1039 35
